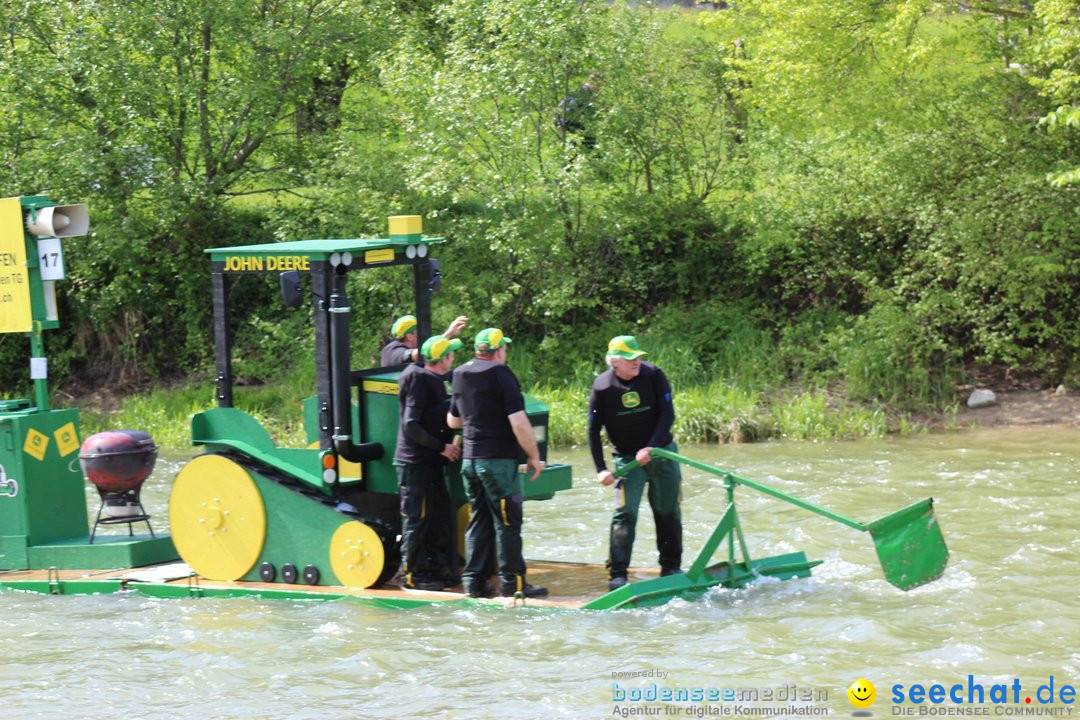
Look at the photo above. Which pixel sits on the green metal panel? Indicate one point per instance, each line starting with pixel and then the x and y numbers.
pixel 298 531
pixel 538 413
pixel 13 552
pixel 910 545
pixel 553 478
pixel 44 497
pixel 108 551
pixel 230 425
pixel 13 507
pixel 232 429
pixel 63 587
pixel 659 590
pixel 194 589
pixel 381 426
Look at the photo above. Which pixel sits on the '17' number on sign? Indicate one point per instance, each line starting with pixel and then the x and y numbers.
pixel 52 259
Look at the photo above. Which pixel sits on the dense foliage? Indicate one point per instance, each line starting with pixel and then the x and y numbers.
pixel 870 198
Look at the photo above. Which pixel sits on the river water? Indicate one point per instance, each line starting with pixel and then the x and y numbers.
pixel 1004 612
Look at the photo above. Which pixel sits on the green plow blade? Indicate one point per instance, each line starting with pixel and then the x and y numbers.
pixel 910 545
pixel 909 542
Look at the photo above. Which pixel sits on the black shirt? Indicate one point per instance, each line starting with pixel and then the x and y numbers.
pixel 395 353
pixel 485 394
pixel 636 413
pixel 422 405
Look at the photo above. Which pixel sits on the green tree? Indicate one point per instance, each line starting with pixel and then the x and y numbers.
pixel 158 114
pixel 590 220
pixel 898 173
pixel 1056 54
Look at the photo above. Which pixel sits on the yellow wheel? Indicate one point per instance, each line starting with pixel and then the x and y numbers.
pixel 357 556
pixel 217 518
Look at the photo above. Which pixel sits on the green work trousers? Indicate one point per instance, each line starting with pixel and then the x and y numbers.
pixel 494 531
pixel 427 542
pixel 663 479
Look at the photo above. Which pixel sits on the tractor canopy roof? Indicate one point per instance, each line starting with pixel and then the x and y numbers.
pixel 324 248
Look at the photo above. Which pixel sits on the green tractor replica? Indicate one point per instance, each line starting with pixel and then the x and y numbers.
pixel 327 514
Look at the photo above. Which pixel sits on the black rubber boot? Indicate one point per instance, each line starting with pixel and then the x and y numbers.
pixel 526 590
pixel 486 590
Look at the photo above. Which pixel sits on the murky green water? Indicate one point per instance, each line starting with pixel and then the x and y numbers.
pixel 1007 501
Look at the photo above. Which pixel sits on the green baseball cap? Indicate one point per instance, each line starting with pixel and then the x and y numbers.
pixel 436 347
pixel 403 326
pixel 625 346
pixel 490 339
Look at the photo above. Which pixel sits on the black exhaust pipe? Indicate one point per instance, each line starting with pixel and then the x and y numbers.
pixel 340 357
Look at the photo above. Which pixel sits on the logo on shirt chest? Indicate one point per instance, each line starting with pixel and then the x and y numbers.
pixel 631 400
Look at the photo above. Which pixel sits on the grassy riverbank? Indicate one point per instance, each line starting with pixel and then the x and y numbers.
pixel 733 397
pixel 707 413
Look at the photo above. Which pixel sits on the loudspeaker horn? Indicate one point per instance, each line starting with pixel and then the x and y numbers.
pixel 59 221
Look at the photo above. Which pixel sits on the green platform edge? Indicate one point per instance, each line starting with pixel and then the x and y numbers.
pixel 644 593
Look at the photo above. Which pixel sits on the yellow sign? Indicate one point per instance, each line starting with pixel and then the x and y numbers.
pixel 15 315
pixel 379 256
pixel 67 439
pixel 378 386
pixel 406 224
pixel 36 444
pixel 267 263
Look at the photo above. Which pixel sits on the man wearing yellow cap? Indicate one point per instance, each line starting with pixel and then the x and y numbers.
pixel 487 404
pixel 403 344
pixel 424 448
pixel 632 401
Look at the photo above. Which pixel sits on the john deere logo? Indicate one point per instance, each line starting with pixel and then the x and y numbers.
pixel 631 400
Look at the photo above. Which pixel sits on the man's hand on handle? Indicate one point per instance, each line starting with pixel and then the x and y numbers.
pixel 451 452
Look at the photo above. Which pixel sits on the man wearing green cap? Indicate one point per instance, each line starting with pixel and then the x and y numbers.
pixel 487 404
pixel 632 401
pixel 424 447
pixel 403 345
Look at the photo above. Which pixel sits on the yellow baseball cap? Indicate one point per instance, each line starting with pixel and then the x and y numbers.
pixel 403 326
pixel 625 346
pixel 437 346
pixel 490 339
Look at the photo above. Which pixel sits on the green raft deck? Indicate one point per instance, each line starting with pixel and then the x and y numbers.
pixel 908 542
pixel 572 585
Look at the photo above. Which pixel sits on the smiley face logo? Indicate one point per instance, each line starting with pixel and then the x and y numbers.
pixel 862 693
